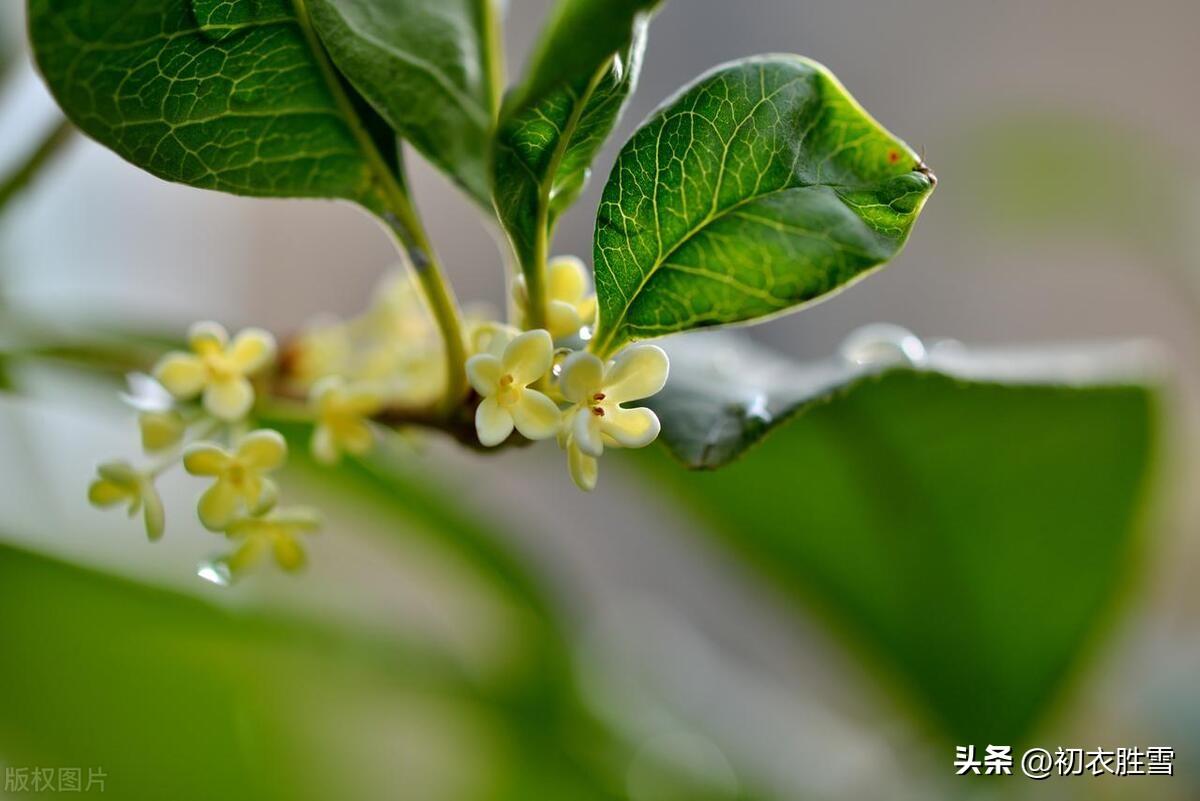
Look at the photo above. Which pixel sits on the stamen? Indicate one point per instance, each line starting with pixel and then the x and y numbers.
pixel 596 410
pixel 599 396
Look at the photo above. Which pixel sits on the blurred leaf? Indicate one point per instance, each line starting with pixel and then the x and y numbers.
pixel 969 536
pixel 761 186
pixel 236 97
pixel 424 67
pixel 726 392
pixel 558 119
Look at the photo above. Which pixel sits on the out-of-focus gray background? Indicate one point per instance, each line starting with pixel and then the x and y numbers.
pixel 1063 134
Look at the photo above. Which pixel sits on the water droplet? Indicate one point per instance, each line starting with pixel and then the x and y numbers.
pixel 216 572
pixel 883 345
pixel 756 409
pixel 585 333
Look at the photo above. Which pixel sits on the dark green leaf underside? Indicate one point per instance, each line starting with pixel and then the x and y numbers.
pixel 760 187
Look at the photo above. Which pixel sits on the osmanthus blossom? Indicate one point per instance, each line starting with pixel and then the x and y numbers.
pixel 342 411
pixel 569 305
pixel 217 368
pixel 504 384
pixel 240 482
pixel 597 418
pixel 277 531
pixel 118 482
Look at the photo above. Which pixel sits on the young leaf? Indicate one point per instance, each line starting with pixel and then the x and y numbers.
pixel 762 186
pixel 544 148
pixel 427 68
pixel 233 96
pixel 968 530
pixel 726 393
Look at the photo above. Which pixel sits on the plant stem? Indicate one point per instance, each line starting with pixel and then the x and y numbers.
pixel 535 273
pixel 46 149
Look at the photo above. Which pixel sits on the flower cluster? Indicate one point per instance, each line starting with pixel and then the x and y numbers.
pixel 210 439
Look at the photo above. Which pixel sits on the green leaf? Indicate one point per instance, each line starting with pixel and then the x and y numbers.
pixel 554 125
pixel 234 96
pixel 762 186
pixel 427 68
pixel 969 530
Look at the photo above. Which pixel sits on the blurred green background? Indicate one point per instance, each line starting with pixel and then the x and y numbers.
pixel 919 565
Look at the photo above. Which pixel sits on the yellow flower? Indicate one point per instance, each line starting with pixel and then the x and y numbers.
pixel 597 417
pixel 569 306
pixel 239 476
pixel 508 401
pixel 118 482
pixel 217 368
pixel 278 531
pixel 341 418
pixel 161 430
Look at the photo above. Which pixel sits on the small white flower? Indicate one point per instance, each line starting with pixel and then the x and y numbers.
pixel 597 418
pixel 504 381
pixel 342 412
pixel 569 305
pixel 239 476
pixel 217 368
pixel 117 483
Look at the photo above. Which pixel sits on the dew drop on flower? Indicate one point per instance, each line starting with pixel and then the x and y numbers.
pixel 585 333
pixel 216 572
pixel 882 345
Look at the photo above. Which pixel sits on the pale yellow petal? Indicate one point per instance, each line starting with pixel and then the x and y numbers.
pixel 107 493
pixel 535 415
pixel 121 473
pixel 562 319
pixel 160 430
pixel 264 449
pixel 230 399
pixel 484 371
pixel 266 496
pixel 586 433
pixel 207 337
pixel 251 350
pixel 637 372
pixel 218 505
pixel 630 428
pixel 245 556
pixel 152 512
pixel 205 459
pixel 288 553
pixel 527 358
pixel 181 374
pixel 584 469
pixel 355 437
pixel 582 374
pixel 493 423
pixel 566 279
pixel 324 445
pixel 587 310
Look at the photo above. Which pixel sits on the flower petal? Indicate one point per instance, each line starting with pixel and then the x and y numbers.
pixel 535 415
pixel 566 279
pixel 267 495
pixel 181 374
pixel 587 310
pixel 251 350
pixel 152 512
pixel 264 449
pixel 207 337
pixel 205 459
pixel 107 493
pixel 630 428
pixel 160 430
pixel 120 473
pixel 229 399
pixel 217 505
pixel 244 557
pixel 288 553
pixel 584 469
pixel 483 371
pixel 562 319
pixel 582 374
pixel 637 372
pixel 527 358
pixel 586 433
pixel 324 445
pixel 493 423
pixel 355 437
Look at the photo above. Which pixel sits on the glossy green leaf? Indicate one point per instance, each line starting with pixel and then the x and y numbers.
pixel 427 67
pixel 968 536
pixel 726 393
pixel 761 186
pixel 234 96
pixel 545 148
